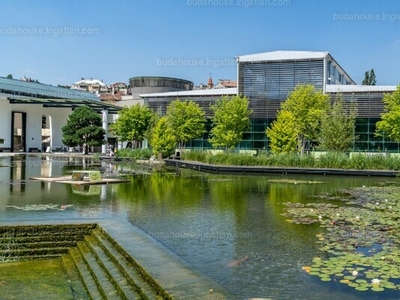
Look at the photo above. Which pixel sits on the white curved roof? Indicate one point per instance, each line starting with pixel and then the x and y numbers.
pixel 352 88
pixel 283 55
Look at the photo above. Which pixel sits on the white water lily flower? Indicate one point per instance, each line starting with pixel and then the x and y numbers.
pixel 377 203
pixel 354 273
pixel 375 281
pixel 320 217
pixel 357 218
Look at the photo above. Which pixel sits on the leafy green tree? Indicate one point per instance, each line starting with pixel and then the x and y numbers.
pixel 231 119
pixel 132 124
pixel 163 139
pixel 283 133
pixel 307 106
pixel 9 76
pixel 389 125
pixel 152 124
pixel 338 126
pixel 83 128
pixel 369 78
pixel 187 121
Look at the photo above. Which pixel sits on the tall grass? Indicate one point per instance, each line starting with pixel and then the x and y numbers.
pixel 359 161
pixel 134 153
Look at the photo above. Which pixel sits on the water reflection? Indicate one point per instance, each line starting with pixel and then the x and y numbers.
pixel 211 221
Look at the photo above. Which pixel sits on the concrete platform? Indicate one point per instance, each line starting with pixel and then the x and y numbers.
pixel 67 179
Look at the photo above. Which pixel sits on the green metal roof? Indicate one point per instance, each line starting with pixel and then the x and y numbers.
pixel 16 87
pixel 66 103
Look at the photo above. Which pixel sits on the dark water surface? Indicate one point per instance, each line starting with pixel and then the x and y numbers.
pixel 229 227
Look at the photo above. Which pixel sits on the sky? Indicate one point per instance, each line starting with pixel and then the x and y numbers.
pixel 59 42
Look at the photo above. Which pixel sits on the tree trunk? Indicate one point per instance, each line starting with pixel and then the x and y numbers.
pixel 85 149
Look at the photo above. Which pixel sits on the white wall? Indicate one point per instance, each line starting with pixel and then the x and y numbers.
pixel 5 128
pixel 34 113
pixel 59 119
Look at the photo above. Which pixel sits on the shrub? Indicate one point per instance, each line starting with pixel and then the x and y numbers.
pixel 134 153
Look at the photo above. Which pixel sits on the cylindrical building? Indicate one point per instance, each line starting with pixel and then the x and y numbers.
pixel 156 84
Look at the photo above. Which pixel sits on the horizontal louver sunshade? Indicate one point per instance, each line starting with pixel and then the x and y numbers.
pixel 275 80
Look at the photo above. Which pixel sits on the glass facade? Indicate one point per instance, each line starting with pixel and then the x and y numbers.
pixel 369 108
pixel 268 83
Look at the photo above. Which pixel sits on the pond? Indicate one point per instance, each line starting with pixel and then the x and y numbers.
pixel 229 227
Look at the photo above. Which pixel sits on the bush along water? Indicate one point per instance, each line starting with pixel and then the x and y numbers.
pixel 358 161
pixel 134 153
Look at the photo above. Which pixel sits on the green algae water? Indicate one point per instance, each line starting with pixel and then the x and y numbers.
pixel 36 279
pixel 231 228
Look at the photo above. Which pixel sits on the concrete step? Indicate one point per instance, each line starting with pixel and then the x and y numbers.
pixel 85 275
pixel 15 244
pixel 30 257
pixel 100 276
pixel 124 287
pixel 74 280
pixel 35 252
pixel 40 238
pixel 46 230
pixel 132 273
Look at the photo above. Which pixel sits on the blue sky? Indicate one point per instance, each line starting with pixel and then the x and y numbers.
pixel 58 42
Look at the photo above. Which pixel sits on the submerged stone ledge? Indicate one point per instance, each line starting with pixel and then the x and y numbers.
pixel 101 253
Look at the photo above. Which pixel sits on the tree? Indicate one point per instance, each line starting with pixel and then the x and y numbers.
pixel 231 119
pixel 187 121
pixel 132 124
pixel 83 128
pixel 389 125
pixel 338 126
pixel 283 133
pixel 307 106
pixel 9 76
pixel 163 139
pixel 369 78
pixel 152 124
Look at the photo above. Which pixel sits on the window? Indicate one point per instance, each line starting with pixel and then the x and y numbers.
pixel 44 122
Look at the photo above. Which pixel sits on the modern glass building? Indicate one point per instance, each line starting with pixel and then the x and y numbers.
pixel 268 78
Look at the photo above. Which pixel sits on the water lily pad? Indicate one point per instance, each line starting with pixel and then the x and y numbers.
pixel 325 279
pixel 377 289
pixel 349 277
pixel 361 281
pixel 361 239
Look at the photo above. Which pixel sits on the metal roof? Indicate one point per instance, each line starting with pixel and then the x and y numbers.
pixel 66 103
pixel 351 88
pixel 40 90
pixel 209 92
pixel 283 55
